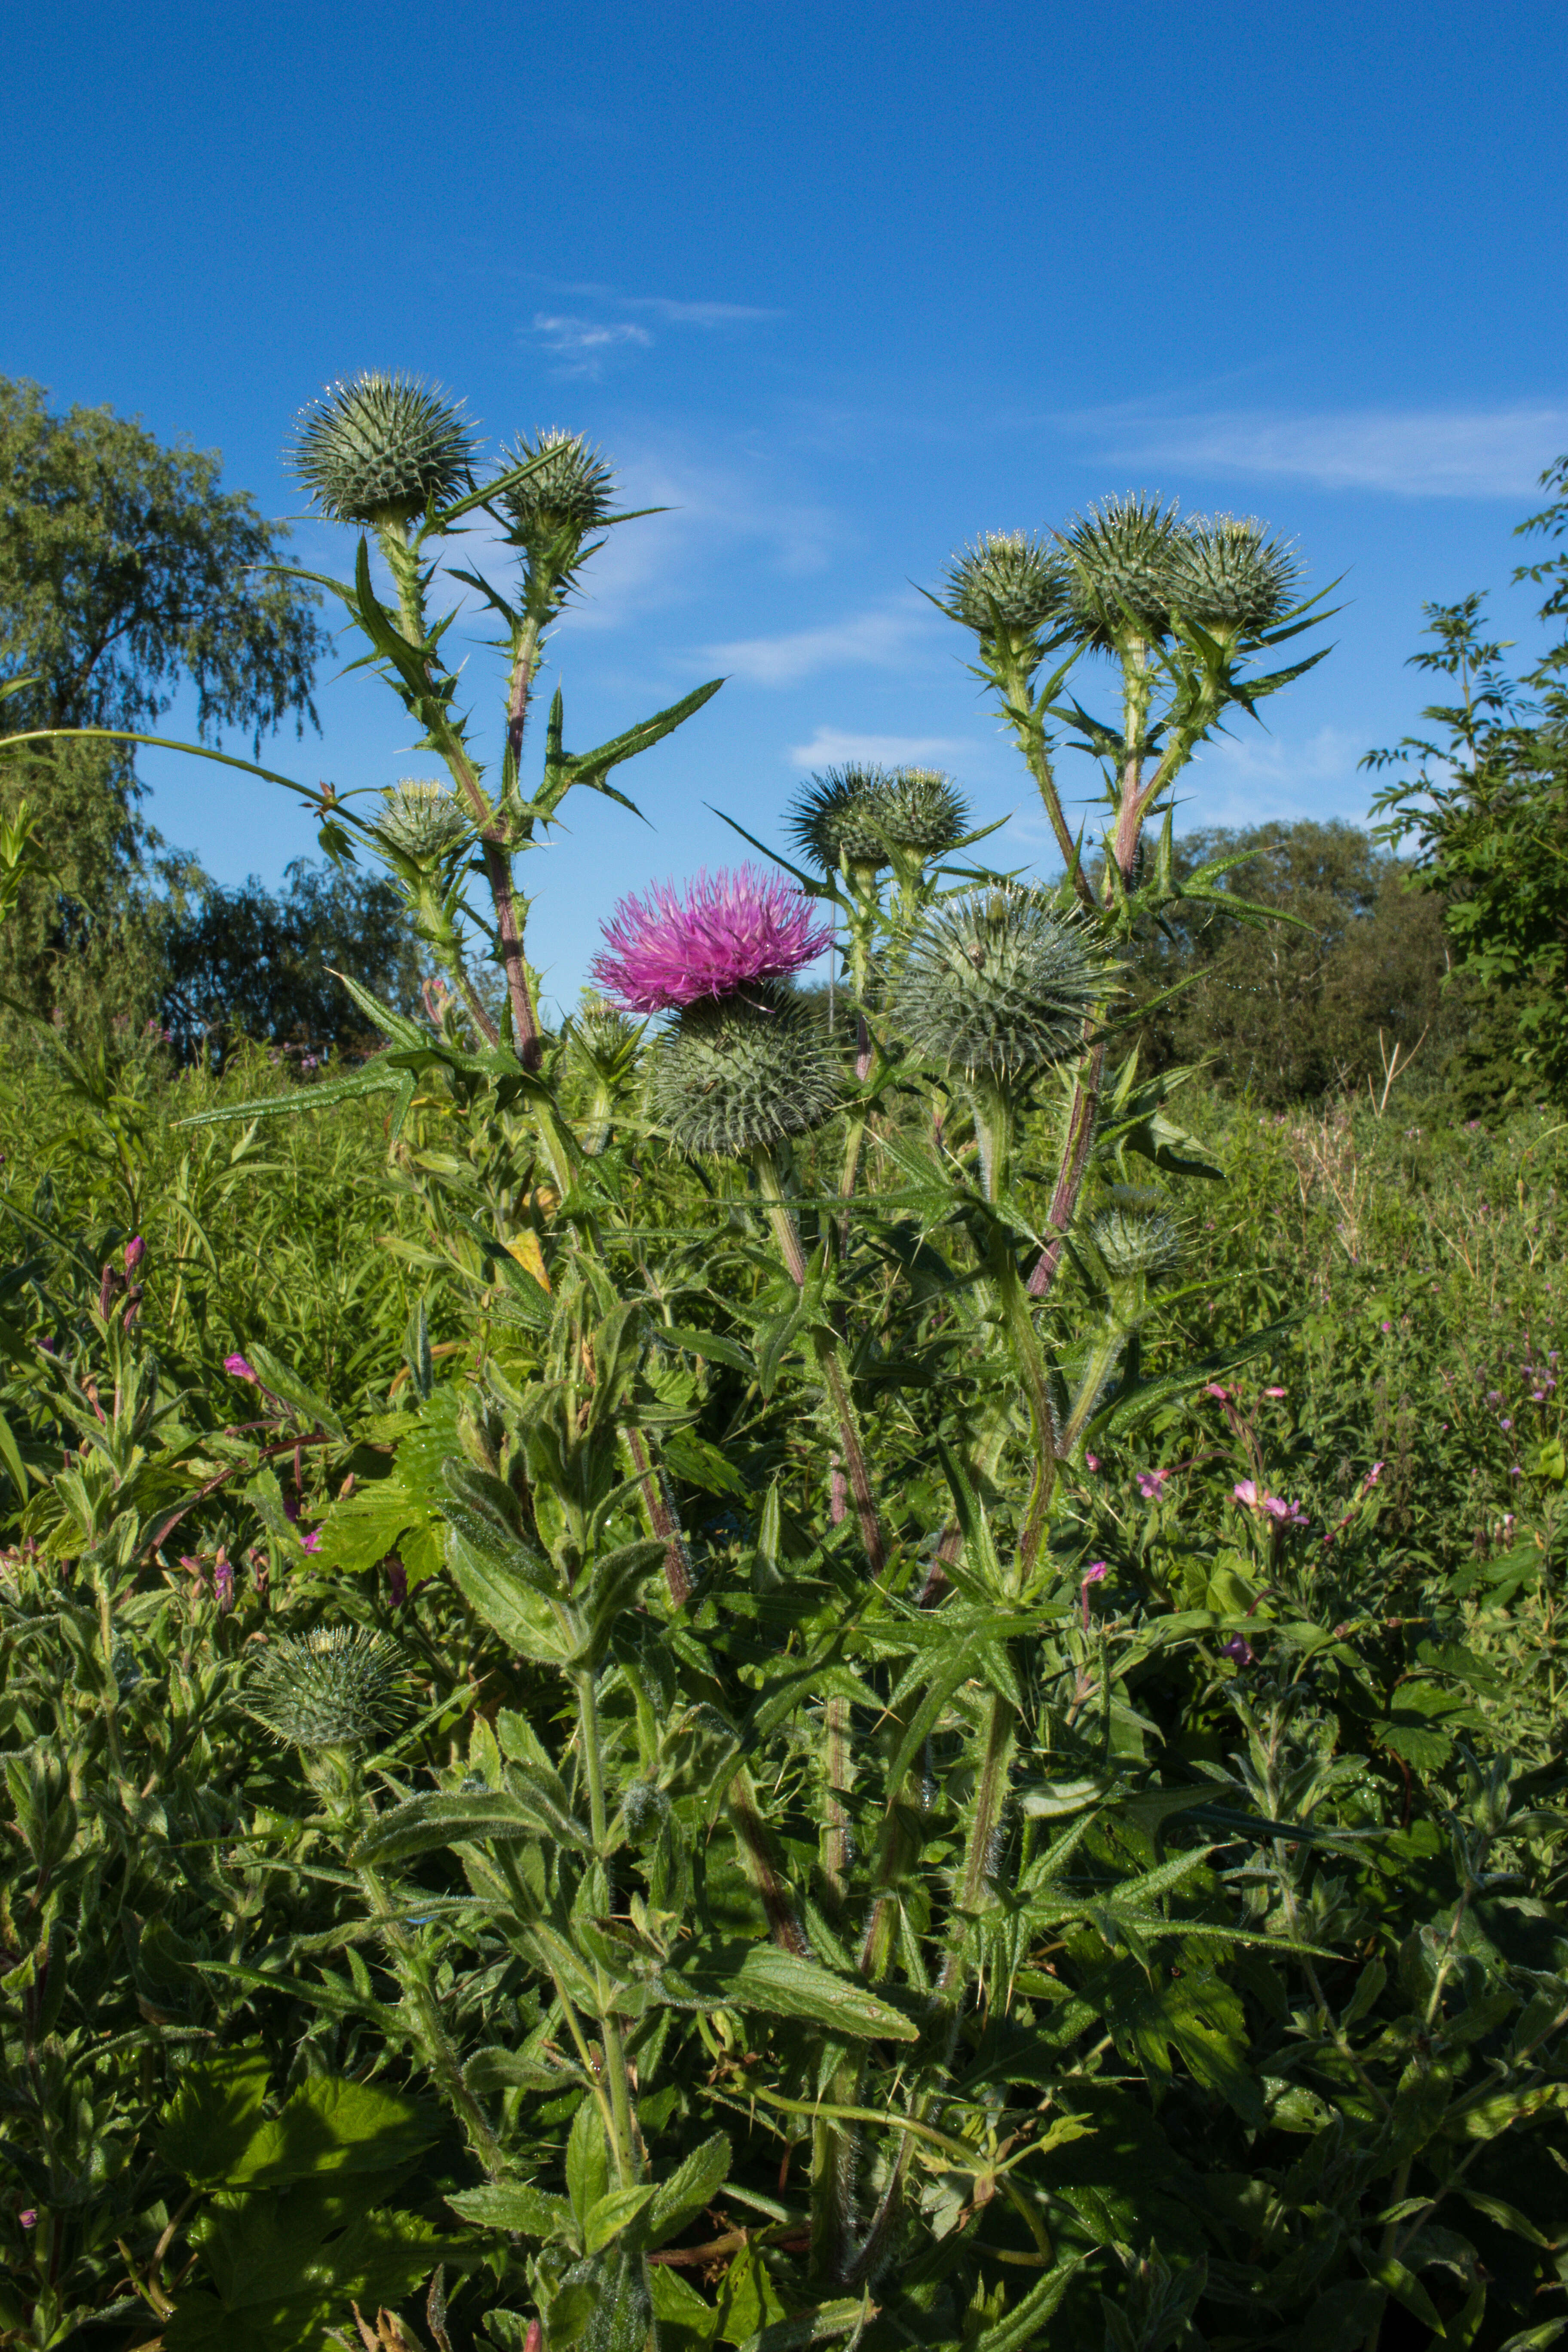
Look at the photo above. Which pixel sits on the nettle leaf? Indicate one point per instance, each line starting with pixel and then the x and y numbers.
pixel 516 2206
pixel 684 2195
pixel 791 1986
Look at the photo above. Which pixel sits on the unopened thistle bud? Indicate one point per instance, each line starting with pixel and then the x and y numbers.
pixel 865 814
pixel 1230 579
pixel 738 1074
pixel 1007 580
pixel 998 984
pixel 1119 558
pixel 383 450
pixel 424 821
pixel 335 1688
pixel 1134 1240
pixel 570 494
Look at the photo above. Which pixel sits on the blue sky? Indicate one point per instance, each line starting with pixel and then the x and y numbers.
pixel 840 287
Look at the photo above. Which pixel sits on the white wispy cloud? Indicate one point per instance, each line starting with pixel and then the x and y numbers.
pixel 832 746
pixel 585 342
pixel 1414 453
pixel 880 639
pixel 697 314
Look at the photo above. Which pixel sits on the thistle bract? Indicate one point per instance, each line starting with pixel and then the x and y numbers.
pixel 740 1073
pixel 569 495
pixel 335 1688
pixel 424 820
pixel 1228 576
pixel 1120 557
pixel 1006 577
pixel 998 984
pixel 382 450
pixel 1133 1240
pixel 728 931
pixel 864 814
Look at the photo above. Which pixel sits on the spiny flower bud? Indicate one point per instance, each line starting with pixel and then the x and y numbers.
pixel 863 812
pixel 736 1074
pixel 383 449
pixel 1007 577
pixel 1120 557
pixel 335 1688
pixel 1137 1241
pixel 1227 576
pixel 423 820
pixel 570 495
pixel 997 983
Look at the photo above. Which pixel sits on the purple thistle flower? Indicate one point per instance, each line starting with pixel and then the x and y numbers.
pixel 665 950
pixel 237 1366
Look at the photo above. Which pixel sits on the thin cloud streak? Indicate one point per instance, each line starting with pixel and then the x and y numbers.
pixel 883 639
pixel 1413 453
pixel 832 746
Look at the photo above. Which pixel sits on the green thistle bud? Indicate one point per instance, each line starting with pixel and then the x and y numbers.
pixel 424 820
pixel 1005 575
pixel 383 450
pixel 862 814
pixel 567 496
pixel 336 1688
pixel 737 1074
pixel 1227 577
pixel 998 984
pixel 1120 556
pixel 1134 1240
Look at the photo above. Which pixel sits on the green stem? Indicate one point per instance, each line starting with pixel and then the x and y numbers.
pixel 990 1799
pixel 624 2144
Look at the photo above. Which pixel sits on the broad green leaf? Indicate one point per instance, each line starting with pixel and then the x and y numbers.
pixel 693 2186
pixel 609 2215
pixel 515 2206
pixel 452 1817
pixel 210 2121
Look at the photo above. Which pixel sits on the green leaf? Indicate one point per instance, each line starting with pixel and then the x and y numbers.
pixel 683 2195
pixel 788 1985
pixel 702 1343
pixel 609 2215
pixel 421 1825
pixel 209 2122
pixel 1016 2331
pixel 515 2206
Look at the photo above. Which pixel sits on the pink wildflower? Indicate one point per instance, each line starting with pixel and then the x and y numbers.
pixel 1091 1461
pixel 1151 1484
pixel 312 1542
pixel 135 1251
pixel 1096 1573
pixel 1239 1648
pixel 1275 1393
pixel 1372 1476
pixel 238 1367
pixel 1214 1390
pixel 728 929
pixel 1246 1491
pixel 29 2219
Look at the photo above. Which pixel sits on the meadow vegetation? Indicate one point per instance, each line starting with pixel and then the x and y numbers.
pixel 721 1677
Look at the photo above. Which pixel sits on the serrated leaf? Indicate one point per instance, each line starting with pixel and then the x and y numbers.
pixel 610 2214
pixel 693 2186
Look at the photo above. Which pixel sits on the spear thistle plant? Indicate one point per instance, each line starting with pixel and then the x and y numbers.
pixel 810 1887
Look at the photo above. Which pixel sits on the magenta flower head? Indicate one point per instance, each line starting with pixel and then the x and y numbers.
pixel 666 950
pixel 135 1251
pixel 1151 1484
pixel 237 1366
pixel 1239 1648
pixel 1246 1491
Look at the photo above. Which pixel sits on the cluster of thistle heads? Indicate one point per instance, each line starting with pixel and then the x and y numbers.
pixel 1130 568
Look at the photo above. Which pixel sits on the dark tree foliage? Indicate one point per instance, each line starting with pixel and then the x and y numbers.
pixel 1487 812
pixel 126 573
pixel 246 963
pixel 1289 1011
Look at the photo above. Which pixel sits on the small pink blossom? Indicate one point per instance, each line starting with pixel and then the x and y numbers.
pixel 1214 1390
pixel 223 1583
pixel 1091 1461
pixel 1151 1484
pixel 29 2218
pixel 312 1542
pixel 1275 1393
pixel 1096 1573
pixel 1372 1476
pixel 1246 1491
pixel 237 1366
pixel 1239 1648
pixel 135 1251
pixel 665 950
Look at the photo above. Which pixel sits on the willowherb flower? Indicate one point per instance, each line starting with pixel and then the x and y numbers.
pixel 1151 1484
pixel 335 1688
pixel 1229 578
pixel 1239 1648
pixel 135 1251
pixel 423 820
pixel 1119 557
pixel 1008 578
pixel 383 449
pixel 862 814
pixel 998 984
pixel 738 1073
pixel 563 499
pixel 728 931
pixel 237 1367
